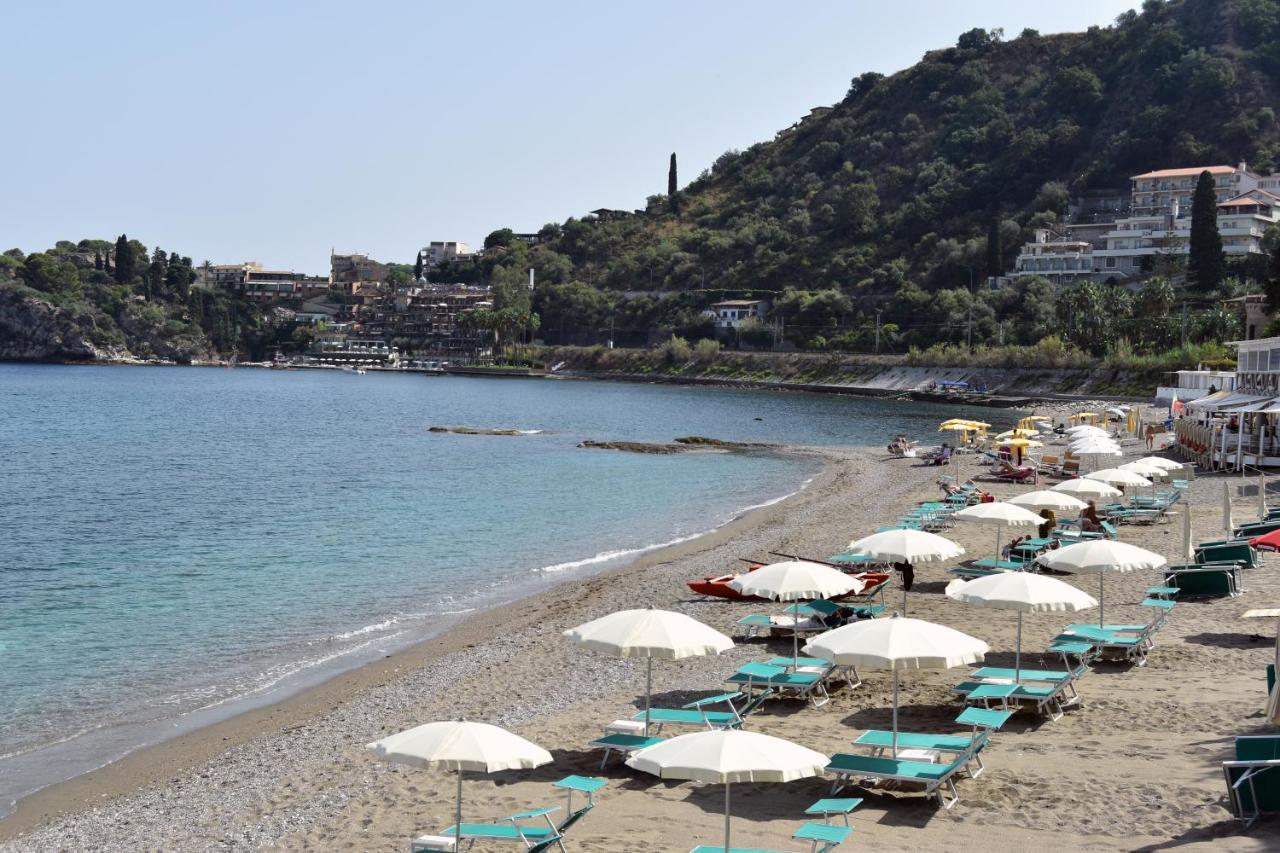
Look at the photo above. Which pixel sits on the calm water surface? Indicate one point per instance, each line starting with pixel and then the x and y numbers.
pixel 180 539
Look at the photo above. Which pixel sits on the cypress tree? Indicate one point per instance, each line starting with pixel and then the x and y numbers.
pixel 1206 265
pixel 1271 285
pixel 97 261
pixel 124 260
pixel 417 268
pixel 673 197
pixel 995 251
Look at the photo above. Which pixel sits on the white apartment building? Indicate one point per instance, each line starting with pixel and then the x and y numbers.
pixel 438 251
pixel 1061 260
pixel 731 313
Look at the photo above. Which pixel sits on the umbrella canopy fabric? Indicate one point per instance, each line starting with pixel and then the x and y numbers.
pixel 1117 477
pixel 906 546
pixel 1100 556
pixel 650 633
pixel 1083 488
pixel 1142 469
pixel 1023 592
pixel 1160 462
pixel 796 580
pixel 461 745
pixel 999 515
pixel 897 644
pixel 728 756
pixel 1049 499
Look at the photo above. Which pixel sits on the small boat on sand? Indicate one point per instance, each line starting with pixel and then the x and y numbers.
pixel 718 586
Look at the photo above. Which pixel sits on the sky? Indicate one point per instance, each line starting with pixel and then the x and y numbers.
pixel 277 131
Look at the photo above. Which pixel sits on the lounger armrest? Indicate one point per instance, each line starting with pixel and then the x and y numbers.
pixel 1260 763
pixel 718 699
pixel 532 813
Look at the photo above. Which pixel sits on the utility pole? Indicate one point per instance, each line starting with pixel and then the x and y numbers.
pixel 1002 333
pixel 969 333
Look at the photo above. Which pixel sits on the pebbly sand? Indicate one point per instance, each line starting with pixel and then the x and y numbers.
pixel 1135 769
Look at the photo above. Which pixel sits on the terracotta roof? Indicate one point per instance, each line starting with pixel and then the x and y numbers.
pixel 1182 173
pixel 1251 197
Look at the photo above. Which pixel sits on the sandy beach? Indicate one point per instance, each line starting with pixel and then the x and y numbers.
pixel 1135 769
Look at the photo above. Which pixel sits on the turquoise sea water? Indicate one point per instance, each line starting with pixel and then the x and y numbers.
pixel 180 539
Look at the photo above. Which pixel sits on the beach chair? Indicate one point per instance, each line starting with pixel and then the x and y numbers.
pixel 938 780
pixel 986 566
pixel 1125 645
pixel 1052 693
pixel 622 742
pixel 810 686
pixel 1253 778
pixel 827 807
pixel 983 721
pixel 1204 579
pixel 698 713
pixel 823 837
pixel 536 837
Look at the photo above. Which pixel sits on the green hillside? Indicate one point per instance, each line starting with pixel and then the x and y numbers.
pixel 916 184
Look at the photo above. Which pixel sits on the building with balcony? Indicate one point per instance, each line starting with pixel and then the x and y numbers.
pixel 438 251
pixel 1062 260
pixel 352 273
pixel 732 313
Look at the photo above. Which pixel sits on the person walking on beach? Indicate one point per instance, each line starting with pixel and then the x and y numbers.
pixel 908 574
pixel 1151 435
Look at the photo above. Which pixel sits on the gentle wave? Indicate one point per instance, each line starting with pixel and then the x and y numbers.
pixel 367 629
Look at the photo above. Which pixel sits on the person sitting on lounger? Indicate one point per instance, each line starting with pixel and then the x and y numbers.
pixel 1089 521
pixel 1050 522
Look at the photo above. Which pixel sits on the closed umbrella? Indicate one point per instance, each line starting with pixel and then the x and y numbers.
pixel 1084 488
pixel 460 746
pixel 1022 592
pixel 649 634
pixel 1099 556
pixel 728 756
pixel 796 580
pixel 896 644
pixel 999 515
pixel 1188 553
pixel 1228 524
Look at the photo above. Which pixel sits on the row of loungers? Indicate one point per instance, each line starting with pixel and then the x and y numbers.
pixel 1023 559
pixel 812 617
pixel 534 829
pixel 1218 565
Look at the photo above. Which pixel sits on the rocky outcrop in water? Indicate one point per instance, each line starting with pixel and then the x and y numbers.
pixel 635 447
pixel 466 430
pixel 704 441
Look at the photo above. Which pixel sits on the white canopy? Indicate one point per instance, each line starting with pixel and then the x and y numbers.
pixel 796 580
pixel 1117 477
pixel 909 546
pixel 1099 556
pixel 1161 462
pixel 999 515
pixel 728 756
pixel 1049 499
pixel 1086 489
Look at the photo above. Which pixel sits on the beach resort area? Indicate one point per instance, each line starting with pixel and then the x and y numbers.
pixel 1083 688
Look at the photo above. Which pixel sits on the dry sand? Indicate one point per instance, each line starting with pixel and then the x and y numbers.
pixel 1136 768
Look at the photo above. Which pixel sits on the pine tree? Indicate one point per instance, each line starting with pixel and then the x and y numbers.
pixel 1206 265
pixel 417 268
pixel 158 271
pixel 995 251
pixel 124 260
pixel 673 197
pixel 106 262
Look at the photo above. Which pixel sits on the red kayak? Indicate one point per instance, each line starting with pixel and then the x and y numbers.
pixel 718 587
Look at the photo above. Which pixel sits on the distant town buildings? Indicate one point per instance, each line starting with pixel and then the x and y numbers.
pixel 732 313
pixel 1156 221
pixel 438 251
pixel 351 273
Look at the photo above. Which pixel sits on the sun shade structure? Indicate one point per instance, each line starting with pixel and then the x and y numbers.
pixel 1228 523
pixel 796 580
pixel 906 546
pixel 1160 462
pixel 728 756
pixel 1086 489
pixel 460 745
pixel 897 644
pixel 1097 557
pixel 999 515
pixel 1022 592
pixel 1048 499
pixel 1117 477
pixel 649 634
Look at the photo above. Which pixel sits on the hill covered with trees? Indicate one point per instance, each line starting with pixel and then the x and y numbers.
pixel 909 192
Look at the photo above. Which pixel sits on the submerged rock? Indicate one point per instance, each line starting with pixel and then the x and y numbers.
pixel 635 446
pixel 466 430
pixel 704 441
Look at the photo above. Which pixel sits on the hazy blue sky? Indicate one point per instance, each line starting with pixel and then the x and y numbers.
pixel 275 130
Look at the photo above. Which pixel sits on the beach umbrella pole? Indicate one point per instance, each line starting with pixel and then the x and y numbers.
pixel 726 817
pixel 1017 654
pixel 648 692
pixel 895 712
pixel 457 815
pixel 1102 597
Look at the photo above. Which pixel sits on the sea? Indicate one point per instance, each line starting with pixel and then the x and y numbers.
pixel 180 544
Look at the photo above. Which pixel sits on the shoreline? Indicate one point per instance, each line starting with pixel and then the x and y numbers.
pixel 157 762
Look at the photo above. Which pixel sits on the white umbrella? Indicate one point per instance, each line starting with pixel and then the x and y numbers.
pixel 1099 556
pixel 999 515
pixel 896 644
pixel 1161 462
pixel 1227 523
pixel 728 756
pixel 1049 499
pixel 1086 489
pixel 796 580
pixel 460 746
pixel 649 634
pixel 1117 477
pixel 906 546
pixel 1025 593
